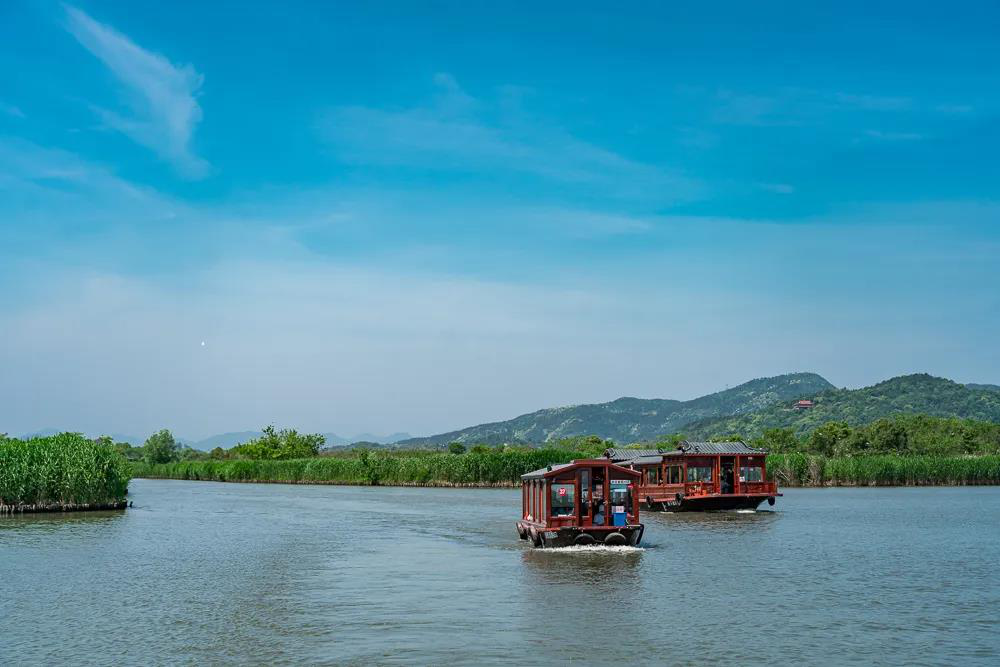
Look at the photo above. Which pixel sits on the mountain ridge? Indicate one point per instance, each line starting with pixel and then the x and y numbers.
pixel 917 393
pixel 629 419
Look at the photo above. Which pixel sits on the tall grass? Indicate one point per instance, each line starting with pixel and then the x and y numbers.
pixel 493 468
pixel 65 469
pixel 496 468
pixel 882 470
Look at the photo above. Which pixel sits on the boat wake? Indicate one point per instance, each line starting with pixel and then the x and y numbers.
pixel 746 511
pixel 591 549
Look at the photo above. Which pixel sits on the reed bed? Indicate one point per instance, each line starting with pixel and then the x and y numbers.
pixel 883 470
pixel 65 471
pixel 494 468
pixel 505 469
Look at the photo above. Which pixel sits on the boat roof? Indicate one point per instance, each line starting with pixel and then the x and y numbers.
pixel 555 469
pixel 624 454
pixel 735 447
pixel 641 456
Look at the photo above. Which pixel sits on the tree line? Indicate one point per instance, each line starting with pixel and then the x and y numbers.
pixel 916 435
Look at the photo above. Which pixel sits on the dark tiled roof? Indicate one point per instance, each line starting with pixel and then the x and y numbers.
pixel 718 448
pixel 541 471
pixel 645 460
pixel 647 456
pixel 619 454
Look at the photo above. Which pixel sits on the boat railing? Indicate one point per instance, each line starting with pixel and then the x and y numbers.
pixel 759 487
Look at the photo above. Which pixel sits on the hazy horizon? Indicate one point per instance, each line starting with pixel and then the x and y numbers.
pixel 383 435
pixel 352 218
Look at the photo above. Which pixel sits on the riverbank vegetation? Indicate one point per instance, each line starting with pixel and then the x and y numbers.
pixel 902 435
pixel 481 466
pixel 61 472
pixel 902 450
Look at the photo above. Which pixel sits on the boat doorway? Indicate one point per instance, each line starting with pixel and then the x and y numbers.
pixel 727 465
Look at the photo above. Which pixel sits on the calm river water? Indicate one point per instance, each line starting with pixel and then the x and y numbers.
pixel 206 573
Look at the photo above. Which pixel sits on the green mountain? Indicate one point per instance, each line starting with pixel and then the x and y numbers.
pixel 907 394
pixel 633 419
pixel 984 387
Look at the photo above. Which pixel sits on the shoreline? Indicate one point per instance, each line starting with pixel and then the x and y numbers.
pixel 59 508
pixel 515 485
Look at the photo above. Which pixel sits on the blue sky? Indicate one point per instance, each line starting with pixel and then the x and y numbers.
pixel 418 216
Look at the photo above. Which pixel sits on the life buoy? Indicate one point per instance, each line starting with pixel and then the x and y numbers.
pixel 583 539
pixel 770 500
pixel 616 539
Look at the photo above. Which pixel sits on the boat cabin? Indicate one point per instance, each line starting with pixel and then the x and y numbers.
pixel 591 501
pixel 700 476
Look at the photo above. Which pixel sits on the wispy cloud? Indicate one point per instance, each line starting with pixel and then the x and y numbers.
pixel 161 95
pixel 459 132
pixel 894 136
pixel 11 110
pixel 777 188
pixel 955 109
pixel 791 106
pixel 871 102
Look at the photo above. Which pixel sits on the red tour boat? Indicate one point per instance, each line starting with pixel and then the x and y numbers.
pixel 591 501
pixel 700 476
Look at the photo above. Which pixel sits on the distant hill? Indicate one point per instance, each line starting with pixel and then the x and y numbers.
pixel 227 440
pixel 984 387
pixel 907 394
pixel 633 419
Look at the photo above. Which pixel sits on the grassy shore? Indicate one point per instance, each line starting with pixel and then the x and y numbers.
pixel 60 473
pixel 505 469
pixel 883 470
pixel 494 468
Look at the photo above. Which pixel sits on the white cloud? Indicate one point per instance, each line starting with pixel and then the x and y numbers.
pixel 161 95
pixel 459 132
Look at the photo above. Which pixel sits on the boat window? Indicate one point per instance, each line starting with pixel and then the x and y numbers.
pixel 584 489
pixel 673 475
pixel 620 495
pixel 597 496
pixel 562 499
pixel 652 476
pixel 751 474
pixel 699 473
pixel 621 502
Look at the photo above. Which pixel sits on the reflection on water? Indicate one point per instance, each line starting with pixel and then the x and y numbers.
pixel 216 573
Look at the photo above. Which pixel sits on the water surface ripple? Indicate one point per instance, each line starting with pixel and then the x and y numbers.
pixel 208 573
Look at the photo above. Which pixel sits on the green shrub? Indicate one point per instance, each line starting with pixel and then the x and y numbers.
pixel 65 468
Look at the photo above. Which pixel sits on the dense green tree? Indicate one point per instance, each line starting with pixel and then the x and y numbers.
pixel 160 448
pixel 671 441
pixel 828 438
pixel 456 448
pixel 887 436
pixel 779 441
pixel 283 444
